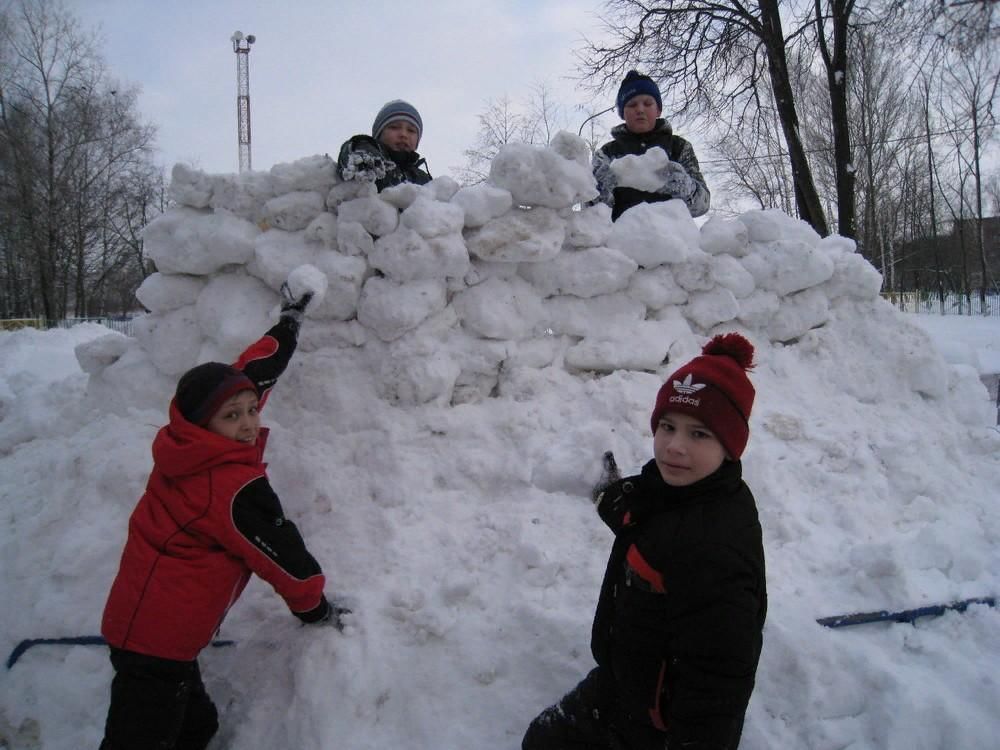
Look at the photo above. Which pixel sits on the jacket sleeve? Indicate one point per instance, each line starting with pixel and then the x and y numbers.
pixel 614 502
pixel 699 201
pixel 258 533
pixel 601 165
pixel 265 359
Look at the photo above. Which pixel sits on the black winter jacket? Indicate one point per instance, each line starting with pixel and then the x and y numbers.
pixel 681 614
pixel 400 166
pixel 625 143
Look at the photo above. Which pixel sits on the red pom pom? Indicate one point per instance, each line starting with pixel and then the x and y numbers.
pixel 732 345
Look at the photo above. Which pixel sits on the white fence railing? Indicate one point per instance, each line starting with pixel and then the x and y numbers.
pixel 954 304
pixel 118 323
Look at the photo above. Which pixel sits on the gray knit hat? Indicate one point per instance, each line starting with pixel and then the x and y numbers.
pixel 394 111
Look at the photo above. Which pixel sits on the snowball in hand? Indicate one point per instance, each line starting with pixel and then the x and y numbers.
pixel 641 171
pixel 308 278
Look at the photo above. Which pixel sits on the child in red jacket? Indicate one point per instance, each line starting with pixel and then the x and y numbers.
pixel 207 521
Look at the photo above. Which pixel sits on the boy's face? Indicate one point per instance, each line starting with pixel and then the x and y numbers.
pixel 400 136
pixel 685 450
pixel 237 419
pixel 641 113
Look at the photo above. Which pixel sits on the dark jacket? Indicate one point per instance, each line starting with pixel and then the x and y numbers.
pixel 681 613
pixel 625 143
pixel 207 520
pixel 392 167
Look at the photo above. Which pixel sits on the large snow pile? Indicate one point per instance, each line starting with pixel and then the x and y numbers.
pixel 471 353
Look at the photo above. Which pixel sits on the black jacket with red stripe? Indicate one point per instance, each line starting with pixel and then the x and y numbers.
pixel 207 521
pixel 679 623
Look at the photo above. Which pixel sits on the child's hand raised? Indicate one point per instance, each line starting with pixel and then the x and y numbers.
pixel 609 475
pixel 293 308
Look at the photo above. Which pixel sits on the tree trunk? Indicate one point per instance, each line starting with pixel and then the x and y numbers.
pixel 806 196
pixel 938 270
pixel 835 62
pixel 980 239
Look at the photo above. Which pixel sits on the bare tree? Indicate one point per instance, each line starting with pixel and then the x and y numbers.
pixel 972 82
pixel 884 132
pixel 503 121
pixel 993 193
pixel 756 162
pixel 960 24
pixel 593 132
pixel 70 141
pixel 545 115
pixel 833 19
pixel 500 123
pixel 710 56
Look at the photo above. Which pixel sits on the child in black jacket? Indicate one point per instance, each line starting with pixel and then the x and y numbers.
pixel 640 106
pixel 389 156
pixel 678 629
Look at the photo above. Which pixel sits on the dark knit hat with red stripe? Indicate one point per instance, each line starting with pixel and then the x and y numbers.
pixel 204 388
pixel 714 388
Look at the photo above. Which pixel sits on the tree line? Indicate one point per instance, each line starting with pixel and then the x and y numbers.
pixel 872 119
pixel 77 177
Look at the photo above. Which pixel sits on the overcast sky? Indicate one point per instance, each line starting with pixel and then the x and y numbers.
pixel 320 70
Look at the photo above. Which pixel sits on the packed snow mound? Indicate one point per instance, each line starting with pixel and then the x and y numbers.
pixel 436 437
pixel 482 275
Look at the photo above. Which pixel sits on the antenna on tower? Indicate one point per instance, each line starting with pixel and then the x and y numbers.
pixel 241 46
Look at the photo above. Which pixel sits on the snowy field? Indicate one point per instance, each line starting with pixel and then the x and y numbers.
pixel 964 339
pixel 462 529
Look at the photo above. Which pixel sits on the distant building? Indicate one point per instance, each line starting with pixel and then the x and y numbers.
pixel 951 258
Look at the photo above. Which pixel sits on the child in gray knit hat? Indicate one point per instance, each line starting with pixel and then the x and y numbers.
pixel 389 155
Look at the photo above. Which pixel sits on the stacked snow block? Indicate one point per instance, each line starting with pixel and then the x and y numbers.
pixel 447 286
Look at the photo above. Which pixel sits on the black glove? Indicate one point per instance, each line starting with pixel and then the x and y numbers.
pixel 291 308
pixel 609 475
pixel 364 164
pixel 336 613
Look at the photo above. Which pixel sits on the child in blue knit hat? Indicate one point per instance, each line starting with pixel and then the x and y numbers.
pixel 640 106
pixel 389 155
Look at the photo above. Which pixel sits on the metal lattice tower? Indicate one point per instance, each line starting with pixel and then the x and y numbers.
pixel 241 46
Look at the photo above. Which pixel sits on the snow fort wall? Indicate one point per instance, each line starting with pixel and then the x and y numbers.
pixel 446 290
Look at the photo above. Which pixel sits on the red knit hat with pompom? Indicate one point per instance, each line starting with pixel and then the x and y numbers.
pixel 714 388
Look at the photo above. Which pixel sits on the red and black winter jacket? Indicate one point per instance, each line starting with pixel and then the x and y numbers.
pixel 678 627
pixel 207 520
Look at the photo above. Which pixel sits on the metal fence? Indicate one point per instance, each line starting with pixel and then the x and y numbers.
pixel 954 304
pixel 119 323
pixel 992 383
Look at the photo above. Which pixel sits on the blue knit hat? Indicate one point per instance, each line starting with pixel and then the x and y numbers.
pixel 635 84
pixel 394 111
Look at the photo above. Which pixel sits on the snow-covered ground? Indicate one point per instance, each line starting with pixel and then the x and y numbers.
pixel 454 510
pixel 965 339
